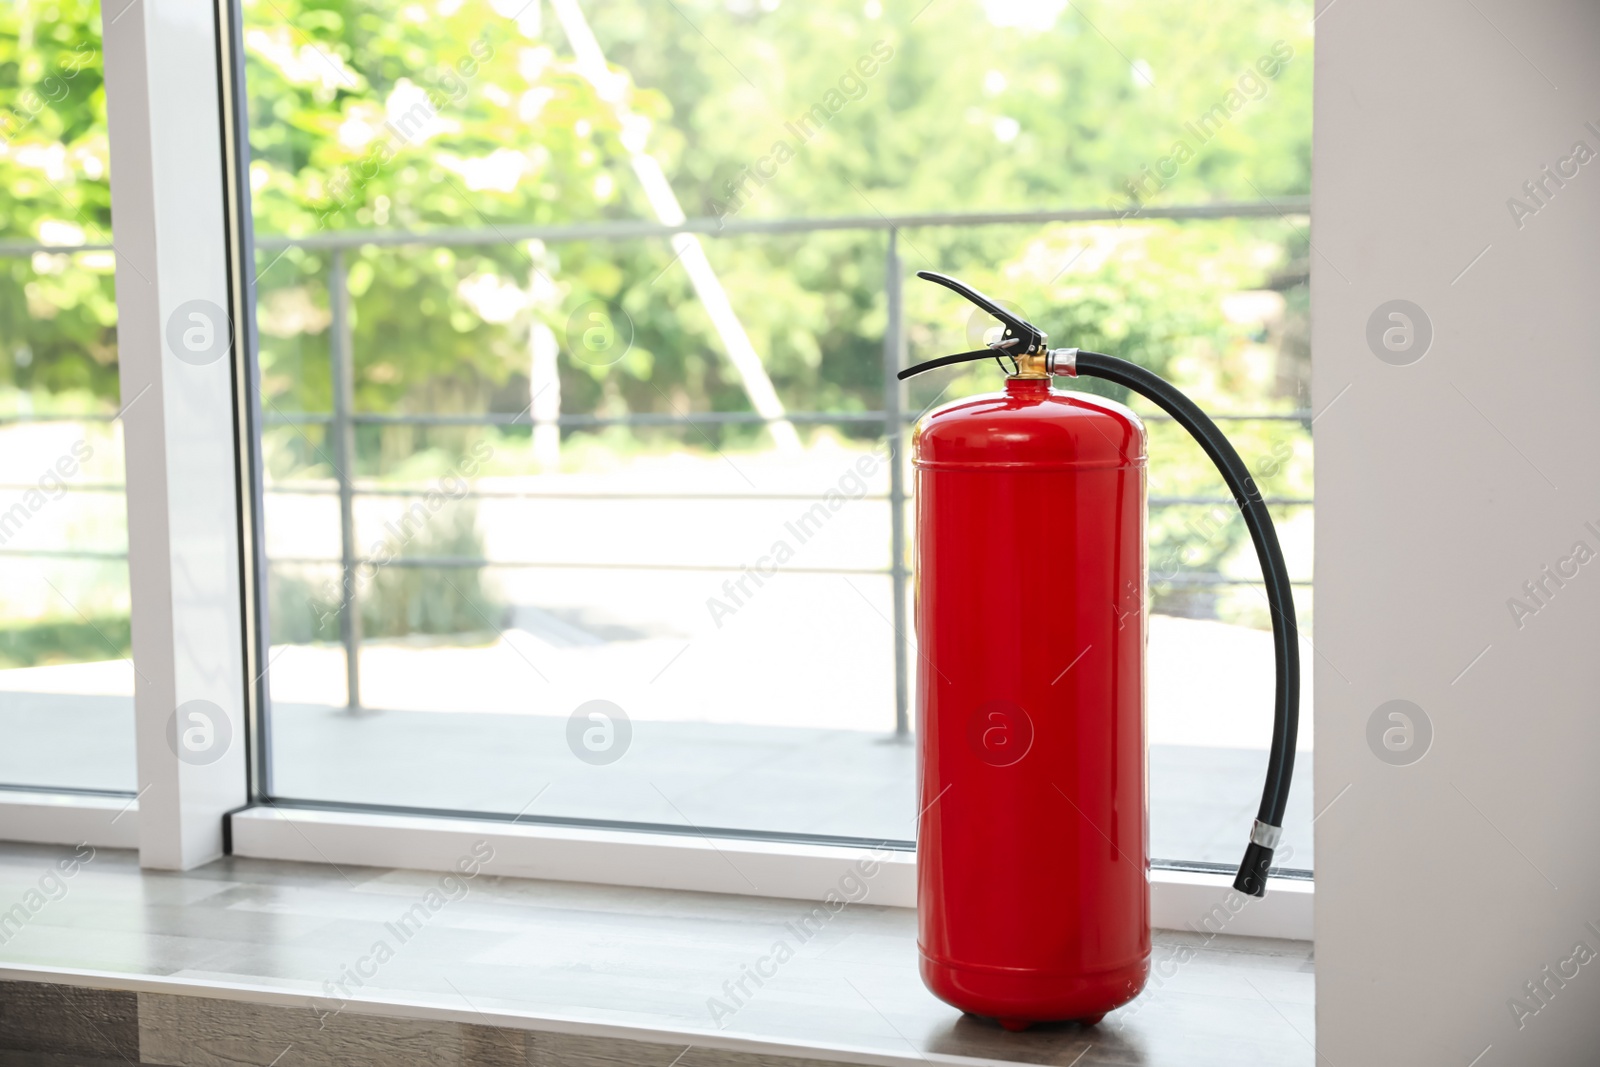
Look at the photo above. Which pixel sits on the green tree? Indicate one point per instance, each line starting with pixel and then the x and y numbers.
pixel 57 311
pixel 427 115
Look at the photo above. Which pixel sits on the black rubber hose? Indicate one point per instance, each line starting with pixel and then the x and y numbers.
pixel 1252 876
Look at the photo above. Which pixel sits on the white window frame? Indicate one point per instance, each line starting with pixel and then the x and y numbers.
pixel 45 817
pixel 183 499
pixel 183 233
pixel 1203 903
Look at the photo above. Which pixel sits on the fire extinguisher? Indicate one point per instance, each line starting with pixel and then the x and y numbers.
pixel 1033 891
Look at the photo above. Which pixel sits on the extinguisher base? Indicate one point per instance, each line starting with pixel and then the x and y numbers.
pixel 1017 998
pixel 1252 877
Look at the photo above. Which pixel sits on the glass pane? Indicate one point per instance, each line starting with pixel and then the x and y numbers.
pixel 66 679
pixel 540 542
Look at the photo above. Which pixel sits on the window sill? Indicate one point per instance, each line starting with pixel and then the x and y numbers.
pixel 244 957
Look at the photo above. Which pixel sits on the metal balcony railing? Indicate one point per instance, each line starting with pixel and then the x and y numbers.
pixel 343 419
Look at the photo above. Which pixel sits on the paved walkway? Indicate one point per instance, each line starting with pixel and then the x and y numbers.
pixel 472 729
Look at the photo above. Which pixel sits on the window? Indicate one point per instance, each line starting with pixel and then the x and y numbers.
pixel 573 517
pixel 66 677
pixel 576 328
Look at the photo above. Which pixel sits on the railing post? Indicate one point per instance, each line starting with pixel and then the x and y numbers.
pixel 893 358
pixel 344 452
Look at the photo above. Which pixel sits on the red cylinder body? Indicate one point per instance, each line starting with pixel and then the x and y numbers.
pixel 1033 889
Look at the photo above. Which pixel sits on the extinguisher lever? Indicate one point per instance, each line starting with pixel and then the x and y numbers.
pixel 1021 337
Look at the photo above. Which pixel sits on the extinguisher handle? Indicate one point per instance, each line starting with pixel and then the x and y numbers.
pixel 1020 334
pixel 1264 837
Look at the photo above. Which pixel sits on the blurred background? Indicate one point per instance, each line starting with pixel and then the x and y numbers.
pixel 524 452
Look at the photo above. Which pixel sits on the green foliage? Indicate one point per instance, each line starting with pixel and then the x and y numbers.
pixel 965 106
pixel 447 114
pixel 299 612
pixel 395 601
pixel 40 644
pixel 930 131
pixel 434 600
pixel 57 311
pixel 995 106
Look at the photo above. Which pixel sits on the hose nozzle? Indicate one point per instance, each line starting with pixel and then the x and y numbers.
pixel 1252 877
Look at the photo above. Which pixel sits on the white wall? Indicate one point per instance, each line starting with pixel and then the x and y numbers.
pixel 1445 885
